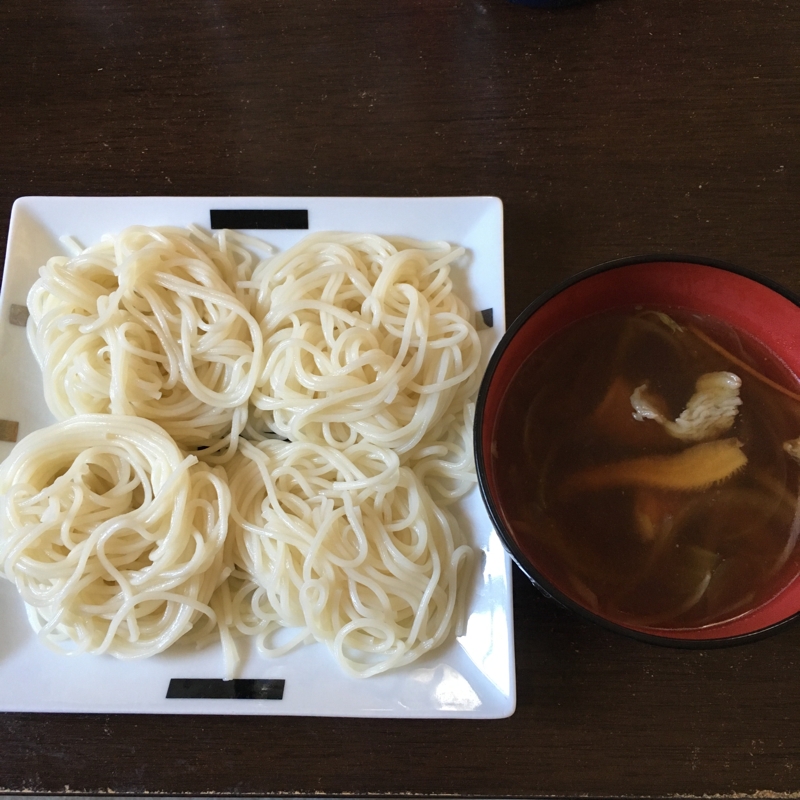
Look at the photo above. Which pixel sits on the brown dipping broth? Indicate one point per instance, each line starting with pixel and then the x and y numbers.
pixel 647 556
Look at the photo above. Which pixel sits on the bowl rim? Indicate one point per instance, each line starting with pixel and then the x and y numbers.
pixel 522 562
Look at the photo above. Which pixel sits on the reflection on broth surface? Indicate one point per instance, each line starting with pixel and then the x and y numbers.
pixel 644 463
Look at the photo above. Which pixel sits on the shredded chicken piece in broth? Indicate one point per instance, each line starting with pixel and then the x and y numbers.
pixel 709 413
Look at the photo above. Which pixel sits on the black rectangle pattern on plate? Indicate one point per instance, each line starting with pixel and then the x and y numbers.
pixel 260 219
pixel 217 689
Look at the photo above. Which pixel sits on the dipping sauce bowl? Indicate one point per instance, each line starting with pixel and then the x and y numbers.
pixel 699 593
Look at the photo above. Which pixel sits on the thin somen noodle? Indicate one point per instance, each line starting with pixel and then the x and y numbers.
pixel 113 537
pixel 443 461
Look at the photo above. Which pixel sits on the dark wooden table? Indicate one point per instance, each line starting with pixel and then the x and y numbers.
pixel 613 128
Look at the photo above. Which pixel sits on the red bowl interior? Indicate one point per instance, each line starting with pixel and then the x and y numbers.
pixel 744 303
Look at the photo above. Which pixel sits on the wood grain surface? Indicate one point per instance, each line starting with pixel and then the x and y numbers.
pixel 613 128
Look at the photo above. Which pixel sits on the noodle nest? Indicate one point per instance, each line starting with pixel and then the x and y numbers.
pixel 364 341
pixel 150 323
pixel 112 536
pixel 347 547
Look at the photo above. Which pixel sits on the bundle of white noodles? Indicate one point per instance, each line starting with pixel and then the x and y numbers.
pixel 364 341
pixel 351 346
pixel 113 537
pixel 345 547
pixel 152 322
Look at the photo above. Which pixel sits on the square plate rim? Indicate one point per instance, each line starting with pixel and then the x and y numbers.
pixel 490 202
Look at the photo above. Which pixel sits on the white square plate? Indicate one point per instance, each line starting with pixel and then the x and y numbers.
pixel 470 677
